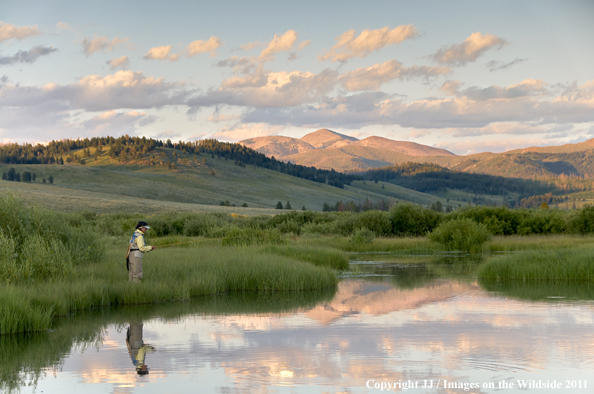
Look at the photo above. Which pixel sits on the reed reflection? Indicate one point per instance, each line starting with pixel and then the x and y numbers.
pixel 137 348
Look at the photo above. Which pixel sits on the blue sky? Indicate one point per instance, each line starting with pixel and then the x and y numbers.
pixel 468 76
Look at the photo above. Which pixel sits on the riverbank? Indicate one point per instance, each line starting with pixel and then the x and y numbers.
pixel 169 274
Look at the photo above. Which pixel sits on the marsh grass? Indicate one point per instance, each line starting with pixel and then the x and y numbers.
pixel 551 265
pixel 171 274
pixel 324 257
pixel 548 291
pixel 404 245
pixel 536 242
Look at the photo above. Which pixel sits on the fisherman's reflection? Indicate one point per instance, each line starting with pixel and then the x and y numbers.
pixel 137 348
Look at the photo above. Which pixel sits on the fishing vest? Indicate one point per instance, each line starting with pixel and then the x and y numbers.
pixel 133 245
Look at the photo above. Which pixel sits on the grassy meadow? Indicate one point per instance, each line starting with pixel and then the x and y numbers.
pixel 54 263
pixel 111 188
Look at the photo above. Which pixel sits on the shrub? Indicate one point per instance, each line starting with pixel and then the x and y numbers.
pixel 376 221
pixel 460 234
pixel 582 221
pixel 199 225
pixel 411 219
pixel 362 236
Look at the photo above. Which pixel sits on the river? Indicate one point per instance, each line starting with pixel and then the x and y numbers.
pixel 421 328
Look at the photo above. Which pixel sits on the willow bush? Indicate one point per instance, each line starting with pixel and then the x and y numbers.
pixel 460 234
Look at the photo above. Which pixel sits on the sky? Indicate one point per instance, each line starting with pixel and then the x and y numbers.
pixel 467 76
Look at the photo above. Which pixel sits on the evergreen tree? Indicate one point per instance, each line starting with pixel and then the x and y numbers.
pixel 279 205
pixel 288 205
pixel 326 208
pixel 11 175
pixel 244 205
pixel 33 176
pixel 26 176
pixel 17 177
pixel 50 179
pixel 303 208
pixel 438 207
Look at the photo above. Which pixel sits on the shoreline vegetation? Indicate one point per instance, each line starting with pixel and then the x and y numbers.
pixel 53 264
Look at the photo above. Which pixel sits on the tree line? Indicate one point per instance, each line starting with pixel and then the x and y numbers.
pixel 432 178
pixel 15 176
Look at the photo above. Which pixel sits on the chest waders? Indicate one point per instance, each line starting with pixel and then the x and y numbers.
pixel 130 249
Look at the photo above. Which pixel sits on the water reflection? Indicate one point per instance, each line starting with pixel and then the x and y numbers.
pixel 391 323
pixel 137 348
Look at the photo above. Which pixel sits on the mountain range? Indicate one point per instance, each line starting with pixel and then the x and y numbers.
pixel 327 140
pixel 327 149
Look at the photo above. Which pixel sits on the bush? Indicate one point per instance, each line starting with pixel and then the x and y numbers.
pixel 376 221
pixel 582 222
pixel 460 234
pixel 362 236
pixel 199 225
pixel 411 219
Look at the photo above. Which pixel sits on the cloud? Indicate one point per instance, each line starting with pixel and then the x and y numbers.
pixel 54 111
pixel 250 45
pixel 101 44
pixel 161 53
pixel 120 62
pixel 278 44
pixel 451 88
pixel 254 80
pixel 371 78
pixel 506 128
pixel 240 65
pixel 124 89
pixel 12 32
pixel 217 118
pixel 240 132
pixel 528 87
pixel 495 65
pixel 303 45
pixel 470 50
pixel 476 110
pixel 349 46
pixel 269 89
pixel 118 123
pixel 64 25
pixel 27 56
pixel 200 46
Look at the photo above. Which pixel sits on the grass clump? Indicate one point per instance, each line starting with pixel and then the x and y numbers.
pixel 38 244
pixel 362 236
pixel 562 265
pixel 460 234
pixel 324 257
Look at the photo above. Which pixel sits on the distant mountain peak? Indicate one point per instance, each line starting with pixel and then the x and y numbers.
pixel 324 138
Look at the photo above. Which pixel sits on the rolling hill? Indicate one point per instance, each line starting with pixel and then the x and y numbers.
pixel 197 183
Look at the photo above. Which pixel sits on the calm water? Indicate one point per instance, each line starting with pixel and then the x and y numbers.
pixel 384 324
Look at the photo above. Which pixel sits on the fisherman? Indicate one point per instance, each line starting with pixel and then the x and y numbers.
pixel 136 249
